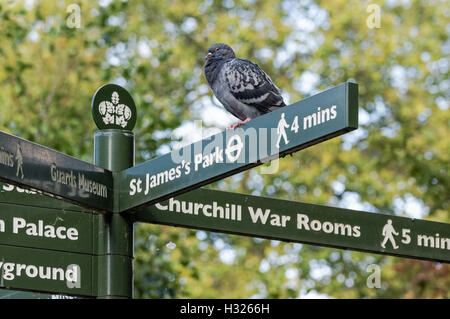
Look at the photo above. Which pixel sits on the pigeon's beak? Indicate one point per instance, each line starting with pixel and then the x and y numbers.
pixel 208 55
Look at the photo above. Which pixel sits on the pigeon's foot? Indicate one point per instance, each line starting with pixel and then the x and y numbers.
pixel 238 124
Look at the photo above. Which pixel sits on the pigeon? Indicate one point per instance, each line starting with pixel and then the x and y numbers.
pixel 243 88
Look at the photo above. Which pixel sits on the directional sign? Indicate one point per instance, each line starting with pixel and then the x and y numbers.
pixel 305 223
pixel 18 294
pixel 289 129
pixel 30 219
pixel 12 194
pixel 64 235
pixel 46 270
pixel 34 166
pixel 46 228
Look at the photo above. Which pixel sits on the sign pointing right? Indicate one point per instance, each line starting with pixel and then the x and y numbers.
pixel 284 220
pixel 294 127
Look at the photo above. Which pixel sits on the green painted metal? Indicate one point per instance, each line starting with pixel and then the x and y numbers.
pixel 114 150
pixel 46 228
pixel 65 234
pixel 34 166
pixel 46 271
pixel 20 294
pixel 287 130
pixel 11 194
pixel 50 246
pixel 113 108
pixel 115 276
pixel 120 243
pixel 305 223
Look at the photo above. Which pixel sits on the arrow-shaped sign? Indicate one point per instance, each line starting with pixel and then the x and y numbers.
pixel 284 220
pixel 287 130
pixel 34 166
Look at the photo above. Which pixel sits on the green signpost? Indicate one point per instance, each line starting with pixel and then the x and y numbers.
pixel 46 228
pixel 46 270
pixel 84 247
pixel 271 218
pixel 34 166
pixel 45 244
pixel 289 129
pixel 21 294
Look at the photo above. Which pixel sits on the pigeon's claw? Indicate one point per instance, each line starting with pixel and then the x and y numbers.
pixel 238 124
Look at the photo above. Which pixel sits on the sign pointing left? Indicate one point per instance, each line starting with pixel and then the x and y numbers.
pixel 31 165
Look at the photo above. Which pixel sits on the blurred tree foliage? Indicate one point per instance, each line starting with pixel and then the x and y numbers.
pixel 398 160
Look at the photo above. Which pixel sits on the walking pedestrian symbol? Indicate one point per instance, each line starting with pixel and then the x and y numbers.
pixel 19 158
pixel 281 130
pixel 388 232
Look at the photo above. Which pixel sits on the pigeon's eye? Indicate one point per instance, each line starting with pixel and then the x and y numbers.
pixel 217 49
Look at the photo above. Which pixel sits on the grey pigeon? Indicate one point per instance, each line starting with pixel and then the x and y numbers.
pixel 240 85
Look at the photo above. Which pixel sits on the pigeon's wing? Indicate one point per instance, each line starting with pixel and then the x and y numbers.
pixel 251 85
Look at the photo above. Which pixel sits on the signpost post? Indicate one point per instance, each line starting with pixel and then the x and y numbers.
pixel 114 113
pixel 49 247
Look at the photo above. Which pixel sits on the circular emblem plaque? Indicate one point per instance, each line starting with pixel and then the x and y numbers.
pixel 113 108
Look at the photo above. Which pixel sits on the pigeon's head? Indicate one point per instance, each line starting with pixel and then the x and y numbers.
pixel 219 51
